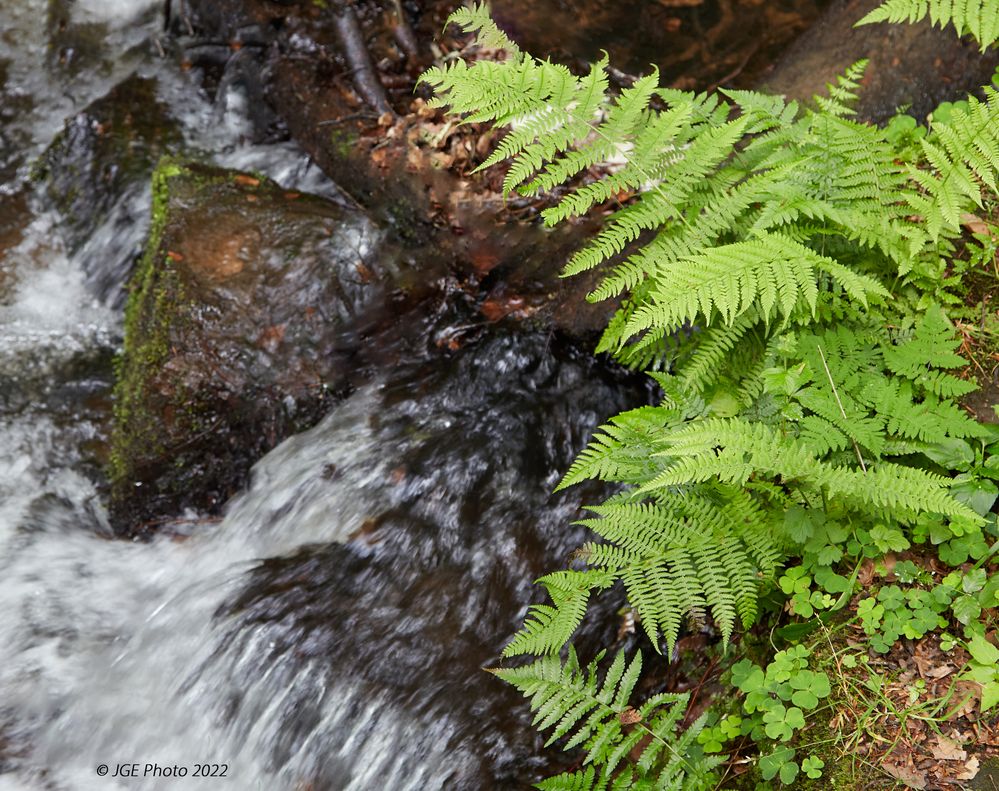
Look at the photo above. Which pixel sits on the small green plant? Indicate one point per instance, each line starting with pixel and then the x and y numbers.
pixel 777 701
pixel 983 669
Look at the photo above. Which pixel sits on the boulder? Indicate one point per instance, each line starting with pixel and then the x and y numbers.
pixel 242 320
pixel 915 66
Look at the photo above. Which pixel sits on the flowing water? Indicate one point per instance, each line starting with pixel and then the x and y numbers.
pixel 329 632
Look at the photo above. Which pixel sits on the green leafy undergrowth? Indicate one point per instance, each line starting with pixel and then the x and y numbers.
pixel 783 273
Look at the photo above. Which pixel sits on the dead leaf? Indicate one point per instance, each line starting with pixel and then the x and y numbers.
pixel 970 769
pixel 246 181
pixel 944 749
pixel 629 716
pixel 940 671
pixel 867 572
pixel 976 224
pixel 908 775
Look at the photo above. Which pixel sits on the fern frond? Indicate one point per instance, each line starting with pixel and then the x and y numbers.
pixel 772 273
pixel 929 420
pixel 549 627
pixel 932 345
pixel 733 450
pixel 688 165
pixel 979 18
pixel 626 747
pixel 706 363
pixel 961 155
pixel 842 93
pixel 682 555
pixel 620 450
pixel 477 19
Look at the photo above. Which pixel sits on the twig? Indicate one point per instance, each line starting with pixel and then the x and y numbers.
pixel 403 33
pixel 346 118
pixel 358 58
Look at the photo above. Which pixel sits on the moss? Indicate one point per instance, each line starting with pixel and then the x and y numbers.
pixel 343 142
pixel 147 326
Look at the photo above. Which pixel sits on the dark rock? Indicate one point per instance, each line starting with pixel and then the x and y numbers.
pixel 695 44
pixel 918 66
pixel 113 144
pixel 97 168
pixel 240 327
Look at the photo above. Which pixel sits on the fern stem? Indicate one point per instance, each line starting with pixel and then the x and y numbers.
pixel 839 403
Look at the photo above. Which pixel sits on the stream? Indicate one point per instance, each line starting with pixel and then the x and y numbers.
pixel 330 630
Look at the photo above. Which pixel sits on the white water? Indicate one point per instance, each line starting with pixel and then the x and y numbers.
pixel 110 652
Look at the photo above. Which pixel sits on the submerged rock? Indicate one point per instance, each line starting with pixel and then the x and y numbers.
pixel 243 316
pixel 456 519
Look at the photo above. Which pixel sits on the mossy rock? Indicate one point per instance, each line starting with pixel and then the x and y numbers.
pixel 241 322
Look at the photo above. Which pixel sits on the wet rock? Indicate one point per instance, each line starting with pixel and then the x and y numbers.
pixel 12 141
pixel 97 167
pixel 695 44
pixel 113 144
pixel 915 66
pixel 14 216
pixel 244 315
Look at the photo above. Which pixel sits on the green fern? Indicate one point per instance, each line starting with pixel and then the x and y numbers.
pixel 626 747
pixel 478 20
pixel 979 18
pixel 961 156
pixel 779 269
pixel 686 554
pixel 549 627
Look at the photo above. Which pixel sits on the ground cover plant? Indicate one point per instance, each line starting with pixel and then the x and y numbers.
pixel 790 277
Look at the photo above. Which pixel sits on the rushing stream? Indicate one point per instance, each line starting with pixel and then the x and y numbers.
pixel 329 631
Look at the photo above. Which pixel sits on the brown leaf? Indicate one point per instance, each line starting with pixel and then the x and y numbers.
pixel 245 180
pixel 944 749
pixel 941 671
pixel 866 575
pixel 908 775
pixel 970 769
pixel 976 224
pixel 629 716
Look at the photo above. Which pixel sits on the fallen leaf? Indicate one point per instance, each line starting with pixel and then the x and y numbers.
pixel 944 749
pixel 246 181
pixel 940 671
pixel 905 774
pixel 976 224
pixel 629 716
pixel 970 769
